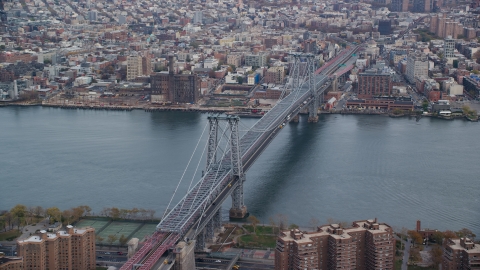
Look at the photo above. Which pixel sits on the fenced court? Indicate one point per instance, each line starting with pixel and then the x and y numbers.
pixel 96 224
pixel 118 228
pixel 147 229
pixel 104 228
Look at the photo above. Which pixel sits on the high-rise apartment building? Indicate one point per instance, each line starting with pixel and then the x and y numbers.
pixel 449 47
pixel 366 245
pixel 72 249
pixel 417 65
pixel 462 254
pixel 198 17
pixel 92 15
pixel 385 27
pixel 256 60
pixel 374 82
pixel 399 5
pixel 138 66
pixel 422 6
pixel 134 67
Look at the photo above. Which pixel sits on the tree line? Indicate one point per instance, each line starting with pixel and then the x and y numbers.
pixel 437 238
pixel 134 213
pixel 21 215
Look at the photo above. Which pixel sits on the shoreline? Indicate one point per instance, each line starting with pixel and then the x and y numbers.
pixel 228 110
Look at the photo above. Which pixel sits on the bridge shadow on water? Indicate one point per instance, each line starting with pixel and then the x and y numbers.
pixel 285 154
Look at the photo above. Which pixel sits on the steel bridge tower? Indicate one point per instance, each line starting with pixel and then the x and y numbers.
pixel 238 210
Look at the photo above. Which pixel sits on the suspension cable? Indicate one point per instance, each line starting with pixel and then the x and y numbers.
pixel 181 178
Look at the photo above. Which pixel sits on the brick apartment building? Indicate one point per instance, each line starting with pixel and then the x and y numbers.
pixel 11 263
pixel 275 75
pixel 173 88
pixel 461 254
pixel 72 249
pixel 366 245
pixel 13 57
pixel 374 82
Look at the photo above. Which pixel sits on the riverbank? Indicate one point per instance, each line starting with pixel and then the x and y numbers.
pixel 227 110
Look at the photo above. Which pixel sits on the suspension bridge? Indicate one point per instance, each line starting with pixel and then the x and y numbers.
pixel 197 214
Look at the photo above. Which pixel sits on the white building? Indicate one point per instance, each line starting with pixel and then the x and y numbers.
pixel 134 67
pixel 82 80
pixel 198 17
pixel 210 63
pixel 256 60
pixel 449 47
pixel 417 65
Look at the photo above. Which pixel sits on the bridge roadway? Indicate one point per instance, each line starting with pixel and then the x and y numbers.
pixel 201 203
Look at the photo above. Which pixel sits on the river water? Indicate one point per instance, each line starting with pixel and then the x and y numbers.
pixel 345 167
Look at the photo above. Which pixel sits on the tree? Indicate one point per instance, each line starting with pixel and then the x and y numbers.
pixel 449 235
pixel 123 240
pixel 416 237
pixel 47 61
pixel 8 217
pixel 240 80
pixel 466 233
pixel 114 213
pixel 77 213
pixel 2 47
pixel 438 237
pixel 67 217
pixel 425 105
pixel 293 226
pixel 86 209
pixel 254 220
pixel 151 214
pixel 314 223
pixel 415 255
pixel 282 221
pixel 99 238
pixel 111 238
pixel 19 212
pixel 437 255
pixel 272 222
pixel 54 214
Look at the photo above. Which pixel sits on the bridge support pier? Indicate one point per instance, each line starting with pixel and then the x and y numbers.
pixel 217 220
pixel 200 242
pixel 313 111
pixel 296 119
pixel 210 231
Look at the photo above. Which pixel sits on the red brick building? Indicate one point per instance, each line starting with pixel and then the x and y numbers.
pixel 461 254
pixel 374 83
pixel 11 57
pixel 366 245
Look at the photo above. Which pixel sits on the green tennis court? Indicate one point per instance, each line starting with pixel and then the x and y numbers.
pixel 97 224
pixel 117 229
pixel 147 229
